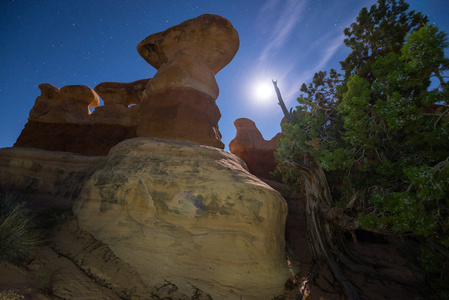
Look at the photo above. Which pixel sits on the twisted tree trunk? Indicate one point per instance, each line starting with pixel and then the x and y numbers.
pixel 325 223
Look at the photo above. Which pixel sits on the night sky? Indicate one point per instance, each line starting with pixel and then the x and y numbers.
pixel 89 42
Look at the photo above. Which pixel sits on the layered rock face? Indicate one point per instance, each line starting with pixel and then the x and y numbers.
pixel 44 174
pixel 179 102
pixel 60 119
pixel 250 146
pixel 190 215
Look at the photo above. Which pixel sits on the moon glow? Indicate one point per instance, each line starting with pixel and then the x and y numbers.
pixel 263 91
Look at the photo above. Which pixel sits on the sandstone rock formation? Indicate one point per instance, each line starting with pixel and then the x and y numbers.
pixel 179 102
pixel 190 215
pixel 121 102
pixel 250 146
pixel 60 119
pixel 45 174
pixel 70 104
pixel 90 139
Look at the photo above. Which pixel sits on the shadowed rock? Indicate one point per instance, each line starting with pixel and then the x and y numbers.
pixel 250 146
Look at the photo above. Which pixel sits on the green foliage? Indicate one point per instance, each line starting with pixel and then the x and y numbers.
pixel 377 32
pixel 18 235
pixel 381 132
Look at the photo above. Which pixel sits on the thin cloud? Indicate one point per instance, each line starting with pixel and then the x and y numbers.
pixel 330 49
pixel 285 17
pixel 281 21
pixel 292 81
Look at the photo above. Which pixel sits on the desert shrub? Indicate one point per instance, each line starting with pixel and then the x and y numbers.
pixel 18 234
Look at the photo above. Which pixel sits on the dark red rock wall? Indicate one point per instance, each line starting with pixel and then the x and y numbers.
pixel 90 139
pixel 181 114
pixel 260 162
pixel 256 152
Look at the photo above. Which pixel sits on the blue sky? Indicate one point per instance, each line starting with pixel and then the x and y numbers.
pixel 89 42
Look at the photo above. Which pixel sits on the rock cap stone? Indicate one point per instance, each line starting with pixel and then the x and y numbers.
pixel 49 91
pixel 80 93
pixel 209 36
pixel 121 93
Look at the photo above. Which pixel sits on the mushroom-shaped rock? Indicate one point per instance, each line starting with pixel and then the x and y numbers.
pixel 211 37
pixel 256 152
pixel 47 102
pixel 117 98
pixel 121 93
pixel 179 102
pixel 81 94
pixel 75 103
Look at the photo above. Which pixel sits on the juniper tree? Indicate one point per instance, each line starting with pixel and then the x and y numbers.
pixel 380 132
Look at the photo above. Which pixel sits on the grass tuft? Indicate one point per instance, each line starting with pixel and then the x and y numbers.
pixel 18 234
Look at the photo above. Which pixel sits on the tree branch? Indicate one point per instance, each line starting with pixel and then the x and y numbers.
pixel 288 115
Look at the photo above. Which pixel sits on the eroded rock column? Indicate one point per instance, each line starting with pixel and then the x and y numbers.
pixel 179 102
pixel 250 146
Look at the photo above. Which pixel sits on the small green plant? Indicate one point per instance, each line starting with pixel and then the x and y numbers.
pixel 18 235
pixel 45 283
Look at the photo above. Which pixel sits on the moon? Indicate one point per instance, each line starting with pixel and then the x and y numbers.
pixel 263 91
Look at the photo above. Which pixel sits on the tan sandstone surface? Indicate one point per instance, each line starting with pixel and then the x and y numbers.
pixel 188 214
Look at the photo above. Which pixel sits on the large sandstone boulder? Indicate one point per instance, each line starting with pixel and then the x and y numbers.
pixel 179 102
pixel 188 215
pixel 250 146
